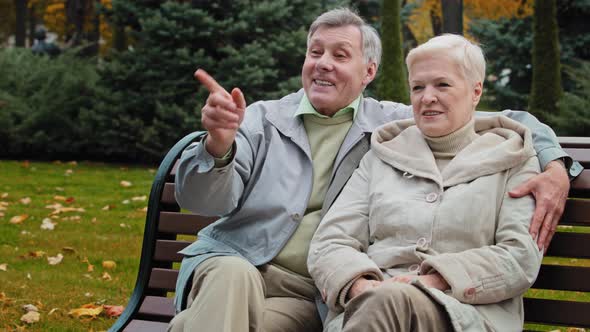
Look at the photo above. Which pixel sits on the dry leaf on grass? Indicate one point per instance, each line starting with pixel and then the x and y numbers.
pixel 109 265
pixel 55 260
pixel 106 276
pixel 36 254
pixel 52 311
pixel 69 172
pixel 1 214
pixel 88 310
pixel 125 184
pixel 3 267
pixel 114 310
pixel 30 307
pixel 69 250
pixel 30 317
pixel 25 200
pixel 19 219
pixel 139 198
pixel 108 207
pixel 59 198
pixel 70 200
pixel 4 195
pixel 47 224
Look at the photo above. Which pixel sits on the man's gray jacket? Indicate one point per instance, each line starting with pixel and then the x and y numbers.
pixel 262 194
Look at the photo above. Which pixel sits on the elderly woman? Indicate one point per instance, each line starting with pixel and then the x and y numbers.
pixel 424 236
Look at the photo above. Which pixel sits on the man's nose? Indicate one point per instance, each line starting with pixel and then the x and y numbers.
pixel 325 63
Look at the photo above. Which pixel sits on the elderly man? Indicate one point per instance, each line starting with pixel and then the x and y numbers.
pixel 271 170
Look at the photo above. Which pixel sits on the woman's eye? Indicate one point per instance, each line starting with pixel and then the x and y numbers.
pixel 444 84
pixel 417 87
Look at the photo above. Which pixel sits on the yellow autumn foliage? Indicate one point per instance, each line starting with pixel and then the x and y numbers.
pixel 420 21
pixel 54 19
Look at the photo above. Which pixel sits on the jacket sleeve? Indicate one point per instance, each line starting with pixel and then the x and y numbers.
pixel 544 139
pixel 337 253
pixel 501 271
pixel 204 189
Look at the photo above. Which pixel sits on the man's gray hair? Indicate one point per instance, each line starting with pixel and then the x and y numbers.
pixel 340 17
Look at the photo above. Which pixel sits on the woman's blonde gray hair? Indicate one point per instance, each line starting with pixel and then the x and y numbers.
pixel 340 17
pixel 468 55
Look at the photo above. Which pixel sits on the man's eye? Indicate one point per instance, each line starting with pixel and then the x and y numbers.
pixel 417 87
pixel 444 84
pixel 315 52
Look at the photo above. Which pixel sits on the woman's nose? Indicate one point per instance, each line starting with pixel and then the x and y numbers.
pixel 429 96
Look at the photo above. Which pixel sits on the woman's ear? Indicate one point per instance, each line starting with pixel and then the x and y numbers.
pixel 477 91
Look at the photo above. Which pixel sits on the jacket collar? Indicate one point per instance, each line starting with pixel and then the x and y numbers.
pixel 502 144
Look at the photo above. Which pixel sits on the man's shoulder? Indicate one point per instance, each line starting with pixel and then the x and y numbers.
pixel 382 111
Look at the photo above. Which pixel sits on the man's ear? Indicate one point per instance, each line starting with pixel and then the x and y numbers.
pixel 370 75
pixel 477 92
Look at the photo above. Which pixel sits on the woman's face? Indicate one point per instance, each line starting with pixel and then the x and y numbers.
pixel 442 99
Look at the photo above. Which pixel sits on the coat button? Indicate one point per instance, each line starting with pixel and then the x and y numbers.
pixel 296 216
pixel 469 292
pixel 414 268
pixel 422 243
pixel 431 197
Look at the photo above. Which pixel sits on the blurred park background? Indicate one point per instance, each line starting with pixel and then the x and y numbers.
pixel 107 87
pixel 122 88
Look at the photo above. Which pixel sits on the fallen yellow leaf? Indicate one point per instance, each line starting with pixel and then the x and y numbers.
pixel 55 260
pixel 18 219
pixel 25 200
pixel 87 310
pixel 109 265
pixel 3 267
pixel 59 198
pixel 114 310
pixel 106 276
pixel 125 184
pixel 30 317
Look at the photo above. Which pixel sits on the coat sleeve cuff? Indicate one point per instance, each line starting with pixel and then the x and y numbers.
pixel 451 269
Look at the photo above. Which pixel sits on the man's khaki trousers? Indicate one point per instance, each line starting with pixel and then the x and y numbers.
pixel 231 295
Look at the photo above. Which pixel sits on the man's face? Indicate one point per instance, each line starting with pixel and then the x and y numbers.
pixel 334 72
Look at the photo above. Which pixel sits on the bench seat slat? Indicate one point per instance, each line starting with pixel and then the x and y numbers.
pixel 580 155
pixel 138 325
pixel 167 250
pixel 559 277
pixel 574 142
pixel 570 245
pixel 183 223
pixel 568 313
pixel 168 194
pixel 164 279
pixel 161 307
pixel 580 187
pixel 577 212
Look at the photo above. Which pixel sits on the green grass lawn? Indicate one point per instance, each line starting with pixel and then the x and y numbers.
pixel 110 227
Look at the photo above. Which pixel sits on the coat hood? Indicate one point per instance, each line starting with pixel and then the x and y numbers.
pixel 501 144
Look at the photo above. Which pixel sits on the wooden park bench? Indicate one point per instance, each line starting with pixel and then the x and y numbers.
pixel 151 305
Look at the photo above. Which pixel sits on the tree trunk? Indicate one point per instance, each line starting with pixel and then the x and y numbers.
pixel 20 36
pixel 32 24
pixel 452 11
pixel 75 13
pixel 546 83
pixel 392 81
